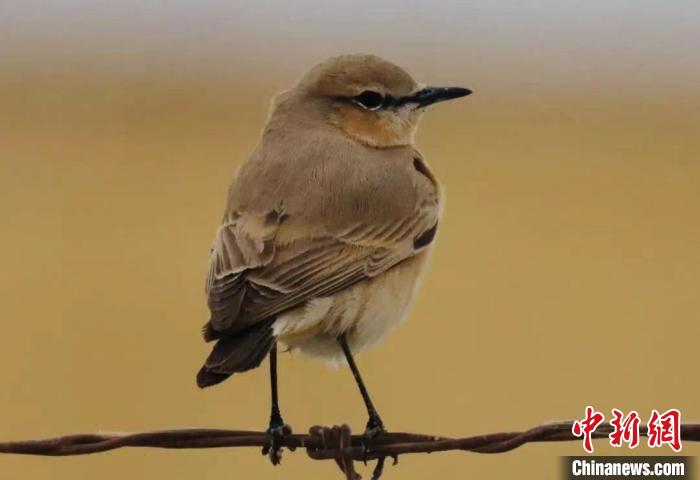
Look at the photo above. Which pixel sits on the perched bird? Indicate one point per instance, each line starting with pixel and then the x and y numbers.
pixel 328 225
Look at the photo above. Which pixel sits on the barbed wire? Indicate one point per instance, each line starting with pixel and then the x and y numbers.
pixel 321 443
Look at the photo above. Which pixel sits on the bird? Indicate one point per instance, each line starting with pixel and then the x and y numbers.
pixel 327 229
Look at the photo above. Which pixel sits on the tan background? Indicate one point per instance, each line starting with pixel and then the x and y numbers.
pixel 567 269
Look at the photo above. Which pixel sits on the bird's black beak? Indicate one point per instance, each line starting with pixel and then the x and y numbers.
pixel 430 95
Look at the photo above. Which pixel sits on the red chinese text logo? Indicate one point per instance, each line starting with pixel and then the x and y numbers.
pixel 665 428
pixel 662 428
pixel 585 428
pixel 625 429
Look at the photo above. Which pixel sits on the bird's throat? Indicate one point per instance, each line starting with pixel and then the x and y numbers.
pixel 374 130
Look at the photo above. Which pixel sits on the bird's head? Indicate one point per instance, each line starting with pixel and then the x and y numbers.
pixel 371 100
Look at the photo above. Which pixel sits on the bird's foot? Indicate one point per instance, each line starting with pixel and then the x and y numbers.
pixel 276 433
pixel 375 426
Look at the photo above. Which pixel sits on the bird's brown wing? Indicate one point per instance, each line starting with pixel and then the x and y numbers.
pixel 253 276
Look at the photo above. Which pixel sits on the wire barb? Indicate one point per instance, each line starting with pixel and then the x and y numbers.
pixel 321 443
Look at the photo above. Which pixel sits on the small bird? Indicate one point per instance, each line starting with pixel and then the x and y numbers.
pixel 327 228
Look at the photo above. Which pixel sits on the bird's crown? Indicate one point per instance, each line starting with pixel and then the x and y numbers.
pixel 350 75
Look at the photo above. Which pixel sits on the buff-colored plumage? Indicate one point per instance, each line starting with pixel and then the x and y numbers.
pixel 327 226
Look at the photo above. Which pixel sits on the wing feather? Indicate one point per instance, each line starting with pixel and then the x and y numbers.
pixel 252 277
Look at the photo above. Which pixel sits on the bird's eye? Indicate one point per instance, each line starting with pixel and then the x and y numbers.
pixel 369 100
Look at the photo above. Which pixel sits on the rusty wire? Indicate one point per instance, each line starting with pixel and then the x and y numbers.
pixel 321 443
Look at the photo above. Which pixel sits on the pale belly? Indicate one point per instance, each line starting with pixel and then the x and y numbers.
pixel 365 312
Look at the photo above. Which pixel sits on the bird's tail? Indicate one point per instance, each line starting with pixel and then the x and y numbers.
pixel 237 352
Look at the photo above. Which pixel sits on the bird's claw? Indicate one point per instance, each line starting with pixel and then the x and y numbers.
pixel 367 437
pixel 378 468
pixel 276 433
pixel 374 427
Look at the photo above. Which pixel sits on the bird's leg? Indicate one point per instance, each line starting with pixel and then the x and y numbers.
pixel 277 429
pixel 374 424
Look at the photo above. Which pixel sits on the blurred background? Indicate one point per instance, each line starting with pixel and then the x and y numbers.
pixel 567 270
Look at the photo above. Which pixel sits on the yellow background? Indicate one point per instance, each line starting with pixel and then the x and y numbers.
pixel 567 269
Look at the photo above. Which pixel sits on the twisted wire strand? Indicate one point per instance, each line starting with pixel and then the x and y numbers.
pixel 318 447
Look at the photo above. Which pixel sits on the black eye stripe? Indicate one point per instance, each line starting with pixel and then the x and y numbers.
pixel 387 101
pixel 370 100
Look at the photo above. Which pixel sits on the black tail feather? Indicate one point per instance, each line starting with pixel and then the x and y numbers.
pixel 207 378
pixel 237 352
pixel 209 333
